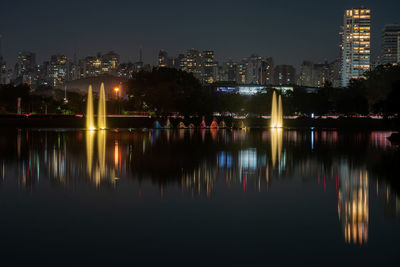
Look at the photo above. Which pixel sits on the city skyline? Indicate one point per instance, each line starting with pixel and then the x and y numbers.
pixel 247 30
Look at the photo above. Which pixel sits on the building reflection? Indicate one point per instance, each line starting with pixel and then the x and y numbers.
pixel 203 162
pixel 353 198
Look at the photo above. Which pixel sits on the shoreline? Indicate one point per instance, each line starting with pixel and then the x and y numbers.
pixel 78 122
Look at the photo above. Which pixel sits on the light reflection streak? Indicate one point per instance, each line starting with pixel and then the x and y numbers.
pixel 354 205
pixel 276 145
pixel 89 150
pixel 249 167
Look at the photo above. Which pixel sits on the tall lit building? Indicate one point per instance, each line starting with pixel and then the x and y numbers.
pixel 210 68
pixel 3 66
pixel 100 64
pixel 24 71
pixel 356 44
pixel 193 63
pixel 314 75
pixel 162 59
pixel 58 70
pixel 284 75
pixel 390 43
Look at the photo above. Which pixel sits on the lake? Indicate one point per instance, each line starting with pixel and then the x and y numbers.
pixel 199 198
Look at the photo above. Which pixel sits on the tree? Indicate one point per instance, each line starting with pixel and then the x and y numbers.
pixel 167 90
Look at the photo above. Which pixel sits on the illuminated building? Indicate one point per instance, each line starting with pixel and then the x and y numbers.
pixel 109 63
pixel 210 67
pixel 193 63
pixel 101 64
pixel 267 71
pixel 3 66
pixel 254 70
pixel 58 70
pixel 356 44
pixel 162 59
pixel 314 75
pixel 390 43
pixel 24 71
pixel 228 71
pixel 284 75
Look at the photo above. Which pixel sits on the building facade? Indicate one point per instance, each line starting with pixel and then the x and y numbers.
pixel 284 75
pixel 24 71
pixel 356 44
pixel 390 44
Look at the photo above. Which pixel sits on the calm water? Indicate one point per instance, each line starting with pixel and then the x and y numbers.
pixel 224 198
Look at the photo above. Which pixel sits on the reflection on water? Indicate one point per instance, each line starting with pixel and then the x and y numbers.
pixel 206 163
pixel 354 205
pixel 276 144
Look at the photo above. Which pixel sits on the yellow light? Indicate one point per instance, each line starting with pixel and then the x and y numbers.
pixel 116 89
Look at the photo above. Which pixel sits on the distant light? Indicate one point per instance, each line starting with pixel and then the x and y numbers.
pixel 116 89
pixel 312 115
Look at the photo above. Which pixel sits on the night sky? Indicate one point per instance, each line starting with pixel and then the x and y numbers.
pixel 289 30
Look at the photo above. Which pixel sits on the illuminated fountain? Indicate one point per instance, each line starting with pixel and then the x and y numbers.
pixel 101 115
pixel 276 112
pixel 89 111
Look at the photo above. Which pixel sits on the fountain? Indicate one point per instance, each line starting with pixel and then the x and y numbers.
pixel 89 111
pixel 214 124
pixel 276 112
pixel 101 115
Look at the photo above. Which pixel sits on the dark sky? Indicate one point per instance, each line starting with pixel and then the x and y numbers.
pixel 289 30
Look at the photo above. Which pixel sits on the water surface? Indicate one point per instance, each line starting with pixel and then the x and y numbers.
pixel 223 198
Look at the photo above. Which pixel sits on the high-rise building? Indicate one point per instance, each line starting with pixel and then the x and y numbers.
pixel 100 64
pixel 267 71
pixel 58 70
pixel 24 71
pixel 390 43
pixel 162 59
pixel 193 63
pixel 210 67
pixel 3 66
pixel 228 72
pixel 284 75
pixel 109 63
pixel 398 48
pixel 314 75
pixel 356 44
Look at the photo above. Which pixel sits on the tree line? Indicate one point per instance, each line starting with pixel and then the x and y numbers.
pixel 164 91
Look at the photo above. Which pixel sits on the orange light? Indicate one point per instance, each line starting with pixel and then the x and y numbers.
pixel 116 89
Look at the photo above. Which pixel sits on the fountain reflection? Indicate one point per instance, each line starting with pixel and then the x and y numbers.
pixel 89 150
pixel 101 147
pixel 276 145
pixel 205 163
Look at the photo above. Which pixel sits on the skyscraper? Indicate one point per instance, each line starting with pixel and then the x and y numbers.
pixel 390 36
pixel 193 63
pixel 25 67
pixel 284 75
pixel 3 67
pixel 356 44
pixel 209 67
pixel 162 59
pixel 58 70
